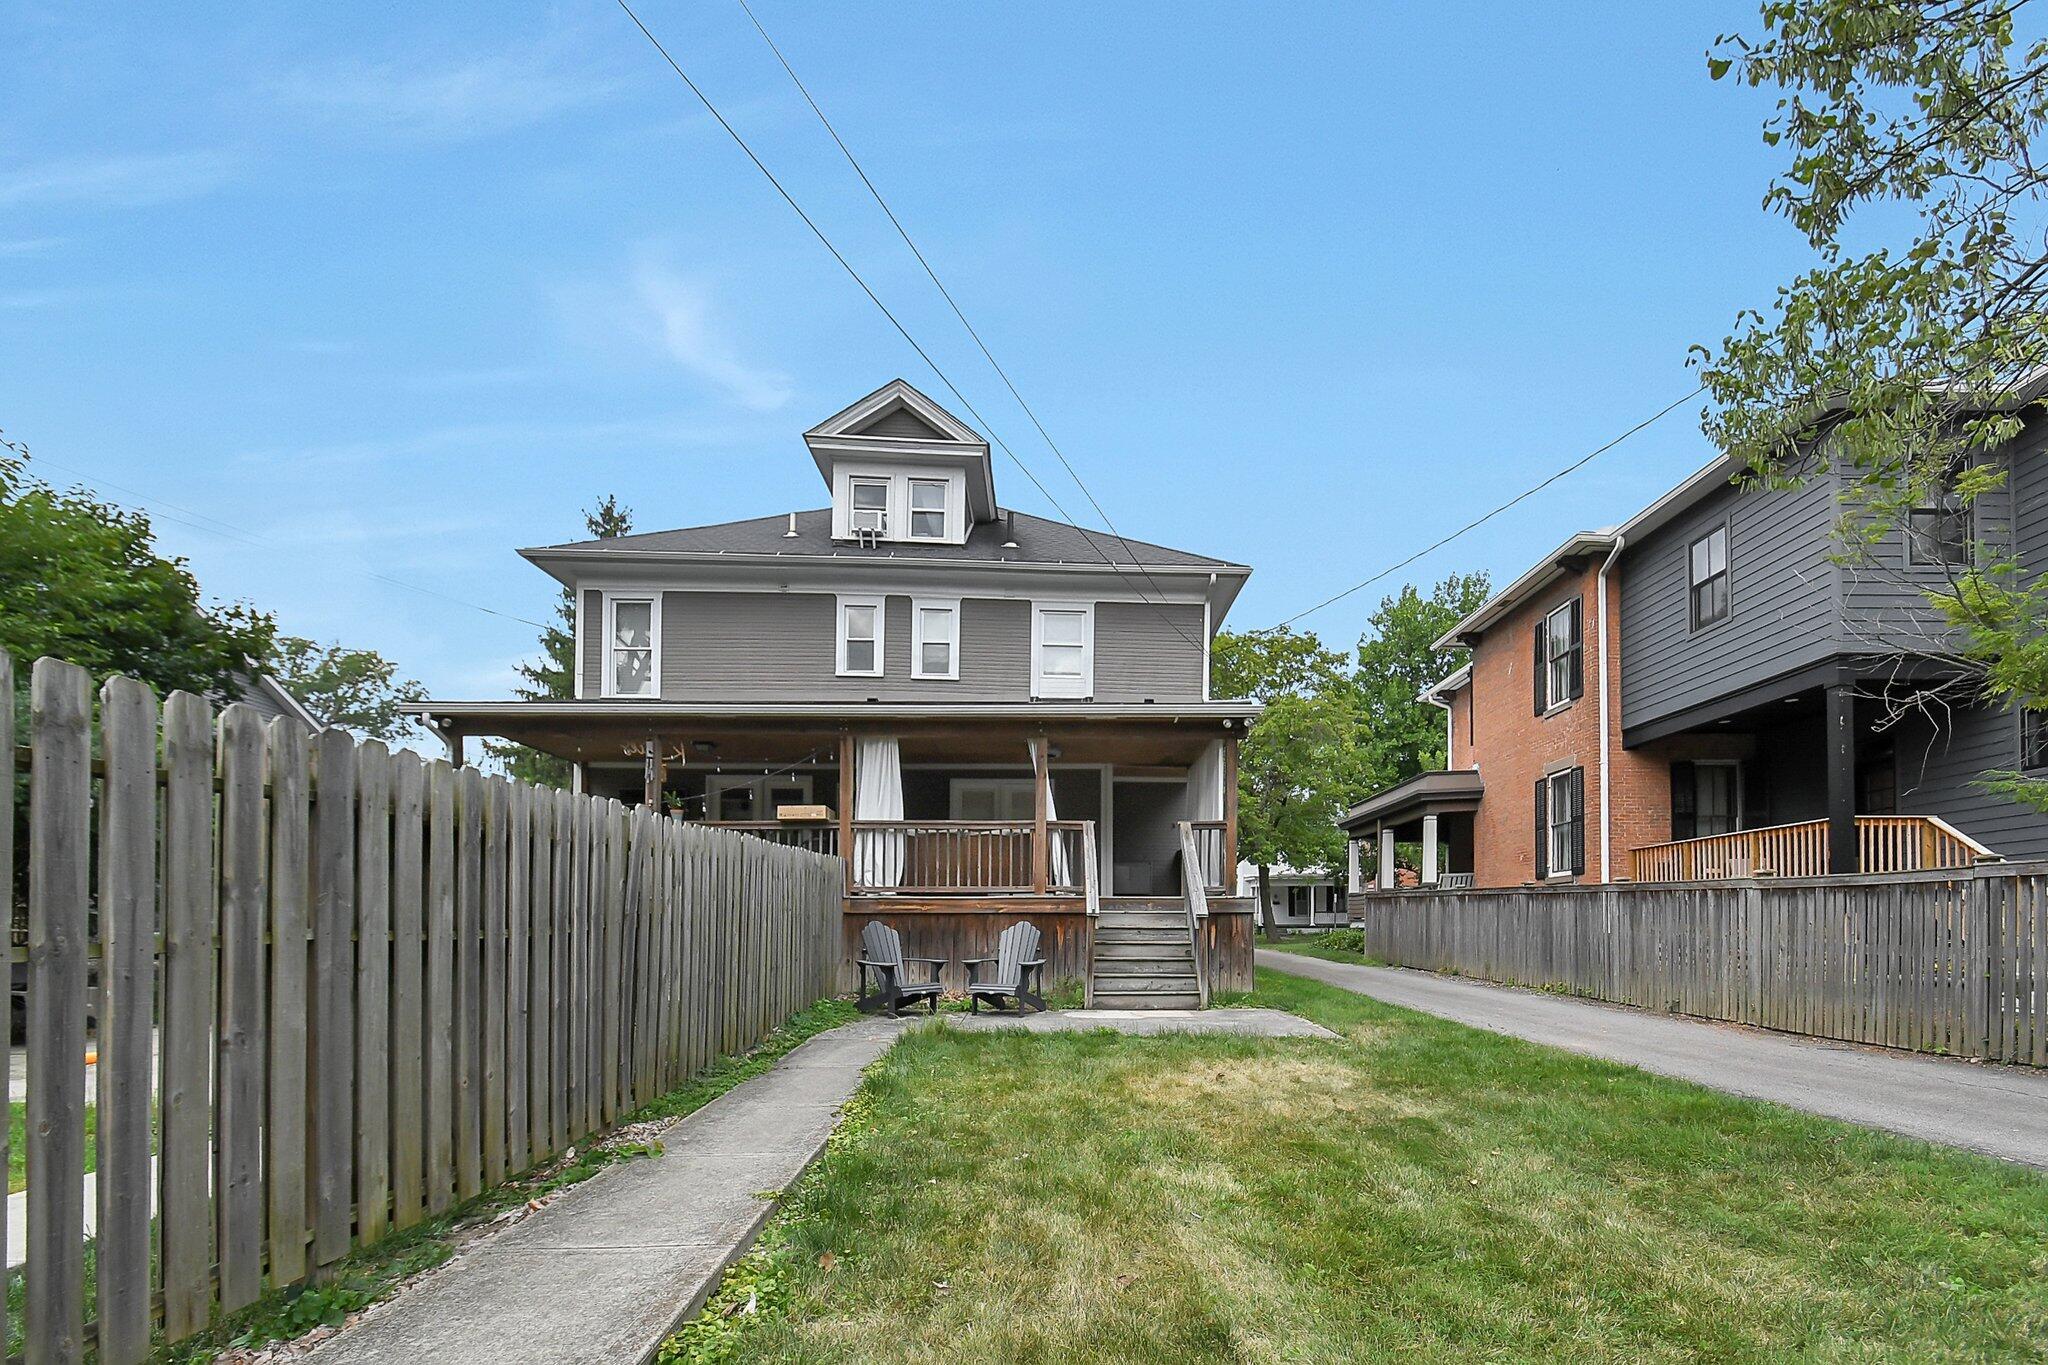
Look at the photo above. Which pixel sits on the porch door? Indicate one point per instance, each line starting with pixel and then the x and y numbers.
pixel 993 798
pixel 1146 816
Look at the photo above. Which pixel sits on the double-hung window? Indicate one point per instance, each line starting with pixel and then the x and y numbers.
pixel 630 647
pixel 1063 651
pixel 1938 528
pixel 927 509
pixel 1561 823
pixel 860 637
pixel 868 506
pixel 1560 660
pixel 1707 576
pixel 2033 739
pixel 935 642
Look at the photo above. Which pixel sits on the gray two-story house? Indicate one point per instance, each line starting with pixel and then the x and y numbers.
pixel 993 716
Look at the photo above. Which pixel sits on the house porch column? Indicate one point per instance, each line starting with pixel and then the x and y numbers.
pixel 1386 859
pixel 1843 854
pixel 1429 849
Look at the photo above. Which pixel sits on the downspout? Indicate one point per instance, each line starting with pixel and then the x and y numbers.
pixel 1600 605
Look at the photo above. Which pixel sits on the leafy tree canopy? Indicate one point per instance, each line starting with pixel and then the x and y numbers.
pixel 1906 349
pixel 1297 766
pixel 357 689
pixel 1404 735
pixel 81 579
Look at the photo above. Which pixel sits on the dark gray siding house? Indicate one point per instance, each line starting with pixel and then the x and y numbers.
pixel 1797 668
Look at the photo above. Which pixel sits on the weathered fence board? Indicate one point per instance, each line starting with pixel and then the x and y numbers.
pixel 1949 960
pixel 378 986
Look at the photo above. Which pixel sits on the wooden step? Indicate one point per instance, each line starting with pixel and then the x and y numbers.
pixel 1140 934
pixel 1106 1001
pixel 1148 951
pixel 1144 919
pixel 1145 983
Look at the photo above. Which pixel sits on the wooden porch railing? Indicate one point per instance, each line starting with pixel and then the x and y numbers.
pixel 1886 843
pixel 1194 885
pixel 968 857
pixel 1204 847
pixel 812 838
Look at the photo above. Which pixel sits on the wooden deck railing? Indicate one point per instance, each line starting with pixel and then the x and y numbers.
pixel 1886 843
pixel 1196 898
pixel 967 857
pixel 811 837
pixel 1206 845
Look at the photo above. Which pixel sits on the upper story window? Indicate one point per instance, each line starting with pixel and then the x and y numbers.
pixel 1062 651
pixel 630 647
pixel 927 509
pixel 935 643
pixel 2033 739
pixel 860 637
pixel 1939 528
pixel 868 509
pixel 1560 657
pixel 1708 577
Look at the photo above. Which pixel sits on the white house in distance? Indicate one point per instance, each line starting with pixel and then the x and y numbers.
pixel 1297 900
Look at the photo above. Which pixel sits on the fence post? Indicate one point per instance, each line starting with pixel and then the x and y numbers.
pixel 1982 924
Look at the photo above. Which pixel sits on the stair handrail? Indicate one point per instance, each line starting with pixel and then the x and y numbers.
pixel 1093 894
pixel 1196 900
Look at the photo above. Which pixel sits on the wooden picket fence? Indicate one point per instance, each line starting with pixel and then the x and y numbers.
pixel 1952 961
pixel 379 986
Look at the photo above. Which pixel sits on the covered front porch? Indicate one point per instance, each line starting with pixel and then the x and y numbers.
pixel 952 827
pixel 1431 816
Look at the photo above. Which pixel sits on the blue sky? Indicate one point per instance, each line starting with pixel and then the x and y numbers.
pixel 391 290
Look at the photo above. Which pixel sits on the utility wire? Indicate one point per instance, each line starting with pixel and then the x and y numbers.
pixel 1481 520
pixel 894 321
pixel 947 295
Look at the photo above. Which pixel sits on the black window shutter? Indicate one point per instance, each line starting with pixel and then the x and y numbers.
pixel 1542 668
pixel 1577 655
pixel 1578 824
pixel 1542 834
pixel 1684 801
pixel 1756 795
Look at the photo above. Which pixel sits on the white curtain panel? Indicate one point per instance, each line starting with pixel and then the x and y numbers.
pixel 1205 784
pixel 1062 865
pixel 877 795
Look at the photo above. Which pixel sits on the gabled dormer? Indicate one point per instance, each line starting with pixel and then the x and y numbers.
pixel 903 469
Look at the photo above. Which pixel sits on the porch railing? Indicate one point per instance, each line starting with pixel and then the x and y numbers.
pixel 1885 843
pixel 967 857
pixel 1195 896
pixel 813 838
pixel 1204 846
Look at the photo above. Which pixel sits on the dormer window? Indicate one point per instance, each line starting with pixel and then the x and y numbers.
pixel 869 509
pixel 927 509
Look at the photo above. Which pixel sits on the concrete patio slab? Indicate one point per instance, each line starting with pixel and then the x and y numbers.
pixel 607 1272
pixel 2001 1111
pixel 1249 1023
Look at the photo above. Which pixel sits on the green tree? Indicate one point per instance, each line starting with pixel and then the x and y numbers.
pixel 1298 764
pixel 1402 734
pixel 552 676
pixel 82 580
pixel 357 689
pixel 1913 344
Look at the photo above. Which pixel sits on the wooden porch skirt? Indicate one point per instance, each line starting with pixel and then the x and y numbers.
pixel 956 930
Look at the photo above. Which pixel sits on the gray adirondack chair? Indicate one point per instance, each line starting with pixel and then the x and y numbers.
pixel 881 953
pixel 1018 974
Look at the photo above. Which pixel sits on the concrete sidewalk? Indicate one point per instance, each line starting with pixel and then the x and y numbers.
pixel 606 1273
pixel 2001 1111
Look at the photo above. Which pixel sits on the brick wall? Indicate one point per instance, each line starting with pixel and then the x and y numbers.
pixel 1494 728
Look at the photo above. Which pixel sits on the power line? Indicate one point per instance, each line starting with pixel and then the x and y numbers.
pixel 947 295
pixel 215 526
pixel 875 299
pixel 1479 521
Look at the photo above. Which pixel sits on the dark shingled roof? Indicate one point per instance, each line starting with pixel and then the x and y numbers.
pixel 1039 541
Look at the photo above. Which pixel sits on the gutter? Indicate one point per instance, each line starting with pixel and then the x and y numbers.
pixel 1606 735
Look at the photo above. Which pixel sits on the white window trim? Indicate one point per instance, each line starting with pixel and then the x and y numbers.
pixel 918 607
pixel 608 676
pixel 887 508
pixel 910 509
pixel 1556 698
pixel 1551 781
pixel 881 606
pixel 1038 610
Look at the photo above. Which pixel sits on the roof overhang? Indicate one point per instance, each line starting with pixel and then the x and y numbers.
pixel 1435 693
pixel 1545 572
pixel 1433 793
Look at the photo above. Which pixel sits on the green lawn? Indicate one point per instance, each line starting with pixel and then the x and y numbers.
pixel 17 1143
pixel 1418 1188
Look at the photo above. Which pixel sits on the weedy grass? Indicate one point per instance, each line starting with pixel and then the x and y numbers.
pixel 1415 1188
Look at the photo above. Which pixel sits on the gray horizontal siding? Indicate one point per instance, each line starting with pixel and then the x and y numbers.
pixel 593 644
pixel 1884 594
pixel 1149 652
pixel 727 646
pixel 1783 606
pixel 1941 768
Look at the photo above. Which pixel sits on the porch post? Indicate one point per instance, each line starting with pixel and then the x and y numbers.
pixel 1230 809
pixel 846 807
pixel 579 779
pixel 655 774
pixel 1386 859
pixel 1352 884
pixel 1041 776
pixel 1843 854
pixel 1429 849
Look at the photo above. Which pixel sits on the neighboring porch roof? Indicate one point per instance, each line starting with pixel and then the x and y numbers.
pixel 1455 789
